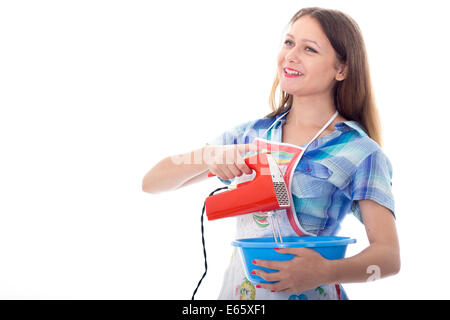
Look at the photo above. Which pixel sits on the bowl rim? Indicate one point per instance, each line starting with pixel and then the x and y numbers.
pixel 322 242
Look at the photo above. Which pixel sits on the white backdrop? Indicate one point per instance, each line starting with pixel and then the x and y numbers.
pixel 94 93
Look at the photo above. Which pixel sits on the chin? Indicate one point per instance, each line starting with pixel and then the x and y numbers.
pixel 291 91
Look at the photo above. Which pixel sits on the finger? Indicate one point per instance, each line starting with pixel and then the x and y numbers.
pixel 273 287
pixel 294 251
pixel 224 173
pixel 231 160
pixel 242 166
pixel 269 264
pixel 235 170
pixel 229 173
pixel 287 290
pixel 268 276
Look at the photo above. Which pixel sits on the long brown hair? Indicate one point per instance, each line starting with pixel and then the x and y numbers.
pixel 353 96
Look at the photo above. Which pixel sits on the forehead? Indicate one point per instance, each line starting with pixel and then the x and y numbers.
pixel 308 28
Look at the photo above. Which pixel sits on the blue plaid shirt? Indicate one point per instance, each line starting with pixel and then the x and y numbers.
pixel 335 172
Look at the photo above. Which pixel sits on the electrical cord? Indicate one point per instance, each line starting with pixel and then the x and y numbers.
pixel 203 242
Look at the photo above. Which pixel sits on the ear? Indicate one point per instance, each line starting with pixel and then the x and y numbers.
pixel 342 72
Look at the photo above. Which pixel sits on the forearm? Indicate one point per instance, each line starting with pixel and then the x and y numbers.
pixel 379 260
pixel 172 172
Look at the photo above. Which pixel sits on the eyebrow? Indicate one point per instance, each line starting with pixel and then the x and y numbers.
pixel 304 40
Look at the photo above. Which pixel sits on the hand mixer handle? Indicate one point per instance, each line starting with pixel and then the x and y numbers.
pixel 252 162
pixel 256 195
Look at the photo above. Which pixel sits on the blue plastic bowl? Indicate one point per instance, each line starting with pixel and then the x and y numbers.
pixel 330 248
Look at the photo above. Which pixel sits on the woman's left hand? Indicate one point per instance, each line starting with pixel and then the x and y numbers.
pixel 307 270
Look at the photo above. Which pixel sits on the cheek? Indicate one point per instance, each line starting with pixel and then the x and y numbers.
pixel 317 67
pixel 280 60
pixel 322 71
pixel 280 64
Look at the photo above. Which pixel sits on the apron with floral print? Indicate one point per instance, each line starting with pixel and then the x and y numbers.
pixel 256 224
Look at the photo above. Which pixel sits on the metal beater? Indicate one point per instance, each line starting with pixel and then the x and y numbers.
pixel 276 231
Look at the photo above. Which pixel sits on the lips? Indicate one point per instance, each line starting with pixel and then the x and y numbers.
pixel 291 69
pixel 297 73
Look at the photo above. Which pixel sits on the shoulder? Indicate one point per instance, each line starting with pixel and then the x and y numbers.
pixel 349 151
pixel 356 144
pixel 365 155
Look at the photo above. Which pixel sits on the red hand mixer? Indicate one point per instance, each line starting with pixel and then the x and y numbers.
pixel 266 192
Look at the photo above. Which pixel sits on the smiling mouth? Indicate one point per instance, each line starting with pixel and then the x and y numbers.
pixel 291 74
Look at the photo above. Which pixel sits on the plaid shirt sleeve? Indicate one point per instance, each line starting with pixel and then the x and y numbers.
pixel 372 181
pixel 239 134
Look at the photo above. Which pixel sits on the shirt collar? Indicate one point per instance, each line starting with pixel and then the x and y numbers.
pixel 350 125
pixel 341 126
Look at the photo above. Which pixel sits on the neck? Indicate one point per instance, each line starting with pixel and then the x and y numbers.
pixel 310 111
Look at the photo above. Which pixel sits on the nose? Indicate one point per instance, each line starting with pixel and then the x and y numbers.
pixel 291 57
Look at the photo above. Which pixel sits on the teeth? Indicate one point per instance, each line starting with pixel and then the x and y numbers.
pixel 292 72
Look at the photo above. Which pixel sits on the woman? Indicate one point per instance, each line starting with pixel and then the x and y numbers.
pixel 327 113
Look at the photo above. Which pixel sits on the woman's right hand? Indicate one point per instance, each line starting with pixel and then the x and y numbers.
pixel 226 161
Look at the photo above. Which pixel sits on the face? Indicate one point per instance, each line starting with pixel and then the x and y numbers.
pixel 307 50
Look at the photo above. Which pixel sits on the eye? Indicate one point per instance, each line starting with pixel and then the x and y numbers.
pixel 311 49
pixel 289 41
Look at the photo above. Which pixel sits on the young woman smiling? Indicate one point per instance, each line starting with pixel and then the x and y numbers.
pixel 326 109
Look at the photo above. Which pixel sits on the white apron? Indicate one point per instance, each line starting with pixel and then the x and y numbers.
pixel 254 225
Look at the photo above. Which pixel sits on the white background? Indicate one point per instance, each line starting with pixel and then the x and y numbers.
pixel 95 93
